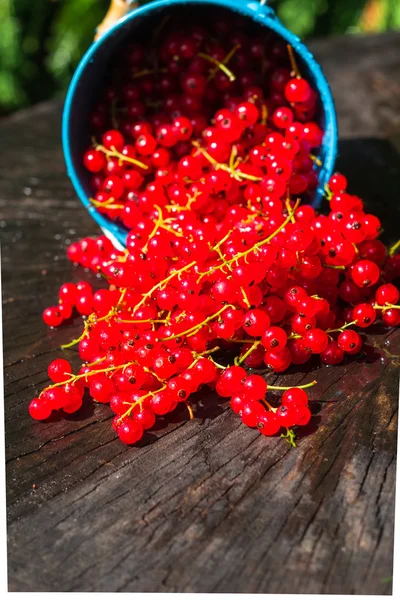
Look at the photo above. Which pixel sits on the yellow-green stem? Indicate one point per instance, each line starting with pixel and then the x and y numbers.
pixel 300 387
pixel 192 330
pixel 393 249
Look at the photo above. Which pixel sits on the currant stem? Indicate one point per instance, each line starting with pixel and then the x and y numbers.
pixel 190 410
pixel 219 65
pixel 385 307
pixel 341 267
pixel 289 436
pixel 223 367
pixel 232 157
pixel 178 208
pixel 145 72
pixel 74 378
pixel 95 362
pixel 393 249
pixel 139 321
pixel 288 208
pixel 239 360
pixel 269 238
pixel 108 204
pixel 206 352
pixel 256 246
pixel 75 341
pixel 163 282
pixel 328 192
pixel 340 329
pixel 238 175
pixel 268 405
pixel 224 239
pixel 139 402
pixel 315 159
pixel 245 298
pixel 293 61
pixel 264 114
pixel 114 152
pixel 224 62
pixel 156 227
pixel 300 387
pixel 192 330
pixel 198 356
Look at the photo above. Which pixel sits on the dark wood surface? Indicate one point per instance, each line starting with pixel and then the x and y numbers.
pixel 207 505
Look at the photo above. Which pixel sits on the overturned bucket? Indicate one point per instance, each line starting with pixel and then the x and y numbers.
pixel 89 76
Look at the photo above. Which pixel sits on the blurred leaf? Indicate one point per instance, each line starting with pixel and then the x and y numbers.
pixel 300 15
pixel 345 14
pixel 393 20
pixel 11 96
pixel 72 33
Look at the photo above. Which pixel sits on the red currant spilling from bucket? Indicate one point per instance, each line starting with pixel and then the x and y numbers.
pixel 205 148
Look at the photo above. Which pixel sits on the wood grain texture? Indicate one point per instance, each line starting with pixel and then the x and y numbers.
pixel 207 505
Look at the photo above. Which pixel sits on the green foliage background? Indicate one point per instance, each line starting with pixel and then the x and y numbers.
pixel 41 41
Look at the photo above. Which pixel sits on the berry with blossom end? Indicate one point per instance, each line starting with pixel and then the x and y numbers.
pixel 252 412
pixel 52 316
pixel 268 424
pixel 364 315
pixel 365 273
pixel 349 340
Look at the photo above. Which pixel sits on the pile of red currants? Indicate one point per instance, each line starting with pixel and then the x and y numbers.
pixel 205 147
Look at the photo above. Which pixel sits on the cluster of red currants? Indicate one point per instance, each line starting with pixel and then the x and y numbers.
pixel 223 250
pixel 209 90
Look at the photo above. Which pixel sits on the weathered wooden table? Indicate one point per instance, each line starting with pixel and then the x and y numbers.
pixel 207 505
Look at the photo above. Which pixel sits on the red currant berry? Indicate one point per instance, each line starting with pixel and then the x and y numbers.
pixel 39 409
pixel 333 354
pixel 297 90
pixel 387 294
pixel 337 183
pixel 255 322
pixel 316 340
pixel 94 161
pixel 113 140
pixel 230 380
pixel 144 417
pixel 349 340
pixel 59 370
pixel 251 413
pixel 391 317
pixel 268 424
pixel 52 316
pixel 364 315
pixel 302 415
pixel 274 339
pixel 286 415
pixel 294 395
pixel 254 387
pixel 365 273
pixel 130 432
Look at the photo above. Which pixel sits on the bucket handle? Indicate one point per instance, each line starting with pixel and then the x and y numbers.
pixel 120 8
pixel 116 10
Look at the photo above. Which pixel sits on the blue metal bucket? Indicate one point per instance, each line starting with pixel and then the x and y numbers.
pixel 90 72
